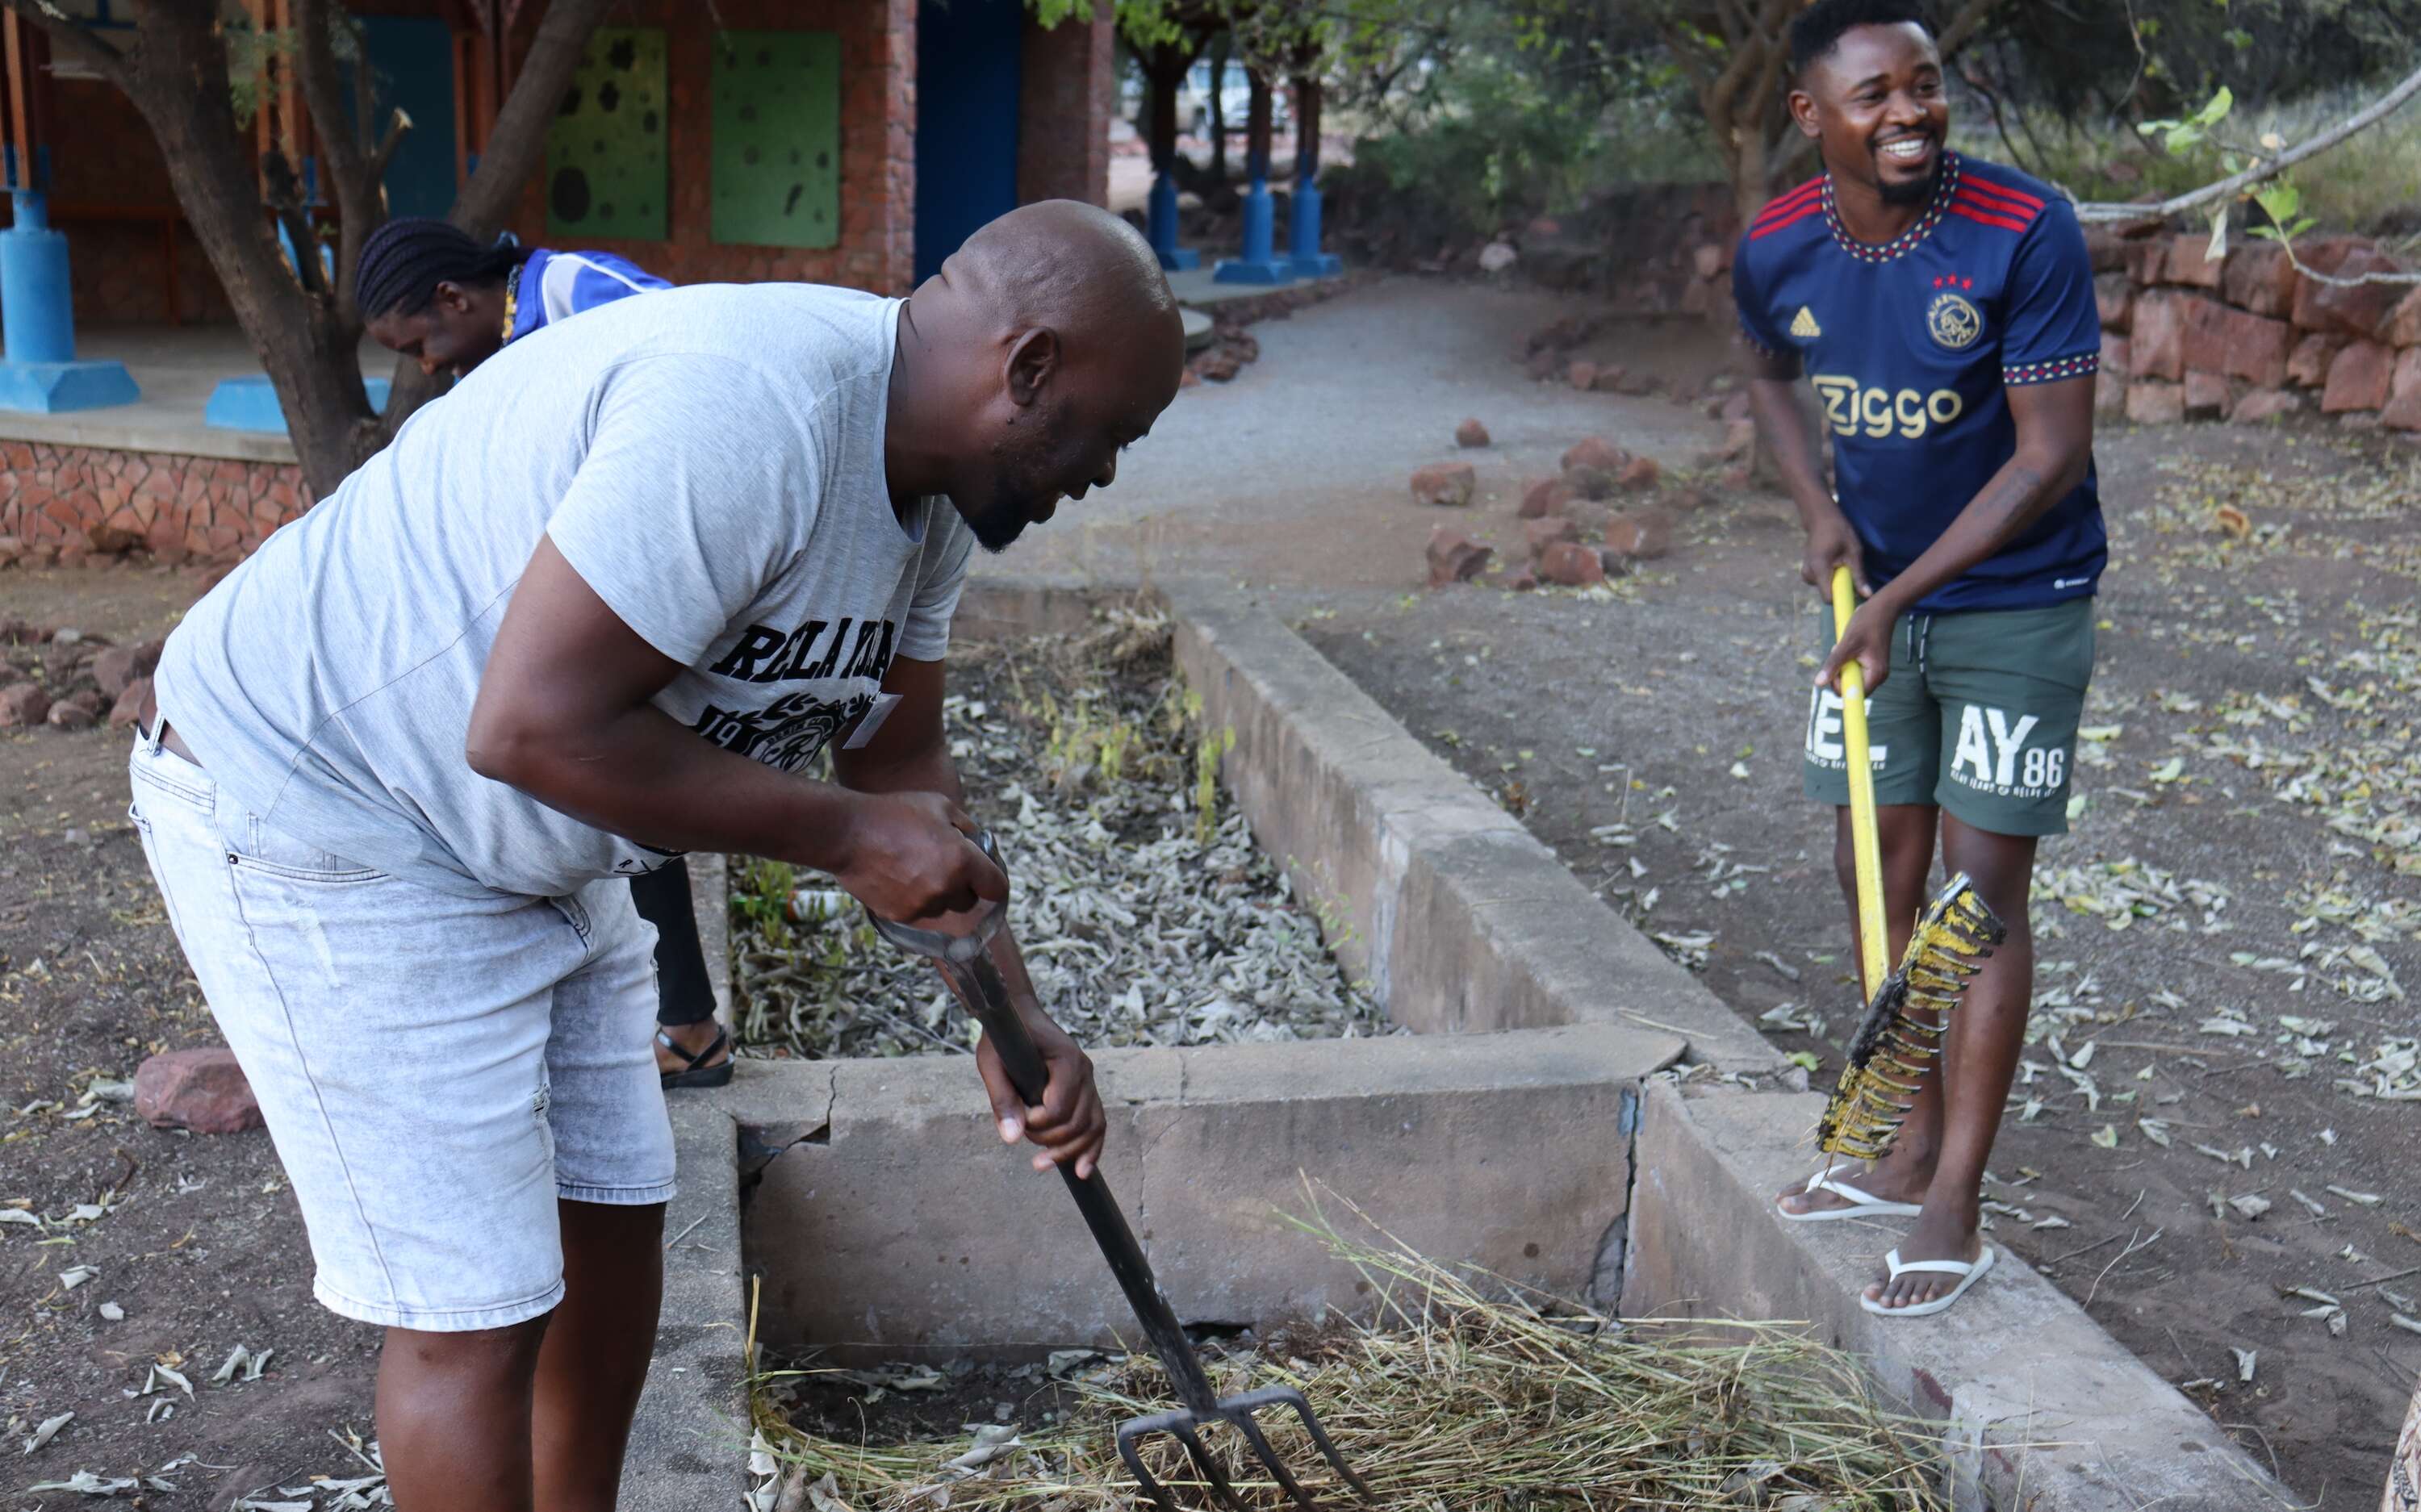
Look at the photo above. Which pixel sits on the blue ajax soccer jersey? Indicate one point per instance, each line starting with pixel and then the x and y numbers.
pixel 1912 345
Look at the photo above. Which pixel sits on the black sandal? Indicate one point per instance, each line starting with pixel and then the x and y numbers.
pixel 695 1074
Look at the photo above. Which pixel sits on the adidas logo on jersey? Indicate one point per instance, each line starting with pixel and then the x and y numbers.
pixel 1804 326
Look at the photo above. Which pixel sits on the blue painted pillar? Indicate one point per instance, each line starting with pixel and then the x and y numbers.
pixel 1163 224
pixel 1261 263
pixel 39 372
pixel 1304 241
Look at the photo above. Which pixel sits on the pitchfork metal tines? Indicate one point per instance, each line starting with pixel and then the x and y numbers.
pixel 967 966
pixel 1900 1038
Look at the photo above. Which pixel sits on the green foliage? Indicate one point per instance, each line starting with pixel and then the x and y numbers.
pixel 250 51
pixel 760 897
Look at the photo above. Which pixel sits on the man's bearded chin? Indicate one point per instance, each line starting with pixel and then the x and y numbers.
pixel 1909 190
pixel 1001 521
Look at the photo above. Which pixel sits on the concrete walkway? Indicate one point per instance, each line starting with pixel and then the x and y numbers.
pixel 1295 474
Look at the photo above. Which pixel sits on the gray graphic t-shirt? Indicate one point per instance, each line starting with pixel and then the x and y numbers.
pixel 709 459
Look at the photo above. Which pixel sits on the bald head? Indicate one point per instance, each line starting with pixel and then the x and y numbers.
pixel 1046 345
pixel 1068 265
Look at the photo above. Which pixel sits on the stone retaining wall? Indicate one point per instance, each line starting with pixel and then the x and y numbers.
pixel 69 502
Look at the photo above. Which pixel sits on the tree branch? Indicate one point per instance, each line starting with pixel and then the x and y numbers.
pixel 397 125
pixel 2379 110
pixel 353 184
pixel 518 139
pixel 1962 26
pixel 73 36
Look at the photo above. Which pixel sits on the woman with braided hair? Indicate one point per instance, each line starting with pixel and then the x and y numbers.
pixel 430 291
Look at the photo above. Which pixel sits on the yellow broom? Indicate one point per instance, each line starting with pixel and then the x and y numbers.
pixel 1892 1049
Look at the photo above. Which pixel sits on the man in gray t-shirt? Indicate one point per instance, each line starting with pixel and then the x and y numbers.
pixel 601 605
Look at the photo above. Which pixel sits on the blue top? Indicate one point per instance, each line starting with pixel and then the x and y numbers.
pixel 1913 345
pixel 553 284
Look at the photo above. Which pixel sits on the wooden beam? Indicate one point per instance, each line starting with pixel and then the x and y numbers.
pixel 21 140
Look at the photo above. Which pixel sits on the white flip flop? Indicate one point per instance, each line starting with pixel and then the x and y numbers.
pixel 1968 1275
pixel 1862 1203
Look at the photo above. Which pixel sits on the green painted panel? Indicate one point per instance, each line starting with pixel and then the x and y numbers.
pixel 605 158
pixel 777 139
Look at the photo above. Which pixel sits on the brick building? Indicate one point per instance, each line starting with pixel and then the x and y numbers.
pixel 1020 114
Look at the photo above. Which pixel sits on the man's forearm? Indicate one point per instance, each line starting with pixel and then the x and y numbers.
pixel 1784 429
pixel 2026 485
pixel 641 776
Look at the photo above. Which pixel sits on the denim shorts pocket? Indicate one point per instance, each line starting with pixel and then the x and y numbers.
pixel 255 846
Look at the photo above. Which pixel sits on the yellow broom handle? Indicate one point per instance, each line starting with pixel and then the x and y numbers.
pixel 1874 945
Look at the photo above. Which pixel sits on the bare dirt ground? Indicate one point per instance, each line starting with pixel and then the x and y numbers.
pixel 195 1242
pixel 2225 934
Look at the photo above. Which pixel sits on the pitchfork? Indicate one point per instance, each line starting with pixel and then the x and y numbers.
pixel 966 965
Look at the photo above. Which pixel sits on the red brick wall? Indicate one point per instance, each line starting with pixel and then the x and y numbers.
pixel 878 156
pixel 1065 99
pixel 198 508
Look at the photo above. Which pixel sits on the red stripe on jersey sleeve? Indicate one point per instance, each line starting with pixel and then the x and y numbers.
pixel 1814 207
pixel 1973 211
pixel 1810 190
pixel 2014 196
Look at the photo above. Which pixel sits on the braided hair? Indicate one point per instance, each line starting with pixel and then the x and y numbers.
pixel 404 260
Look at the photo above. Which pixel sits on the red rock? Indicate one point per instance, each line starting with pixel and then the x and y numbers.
pixel 2358 310
pixel 1641 534
pixel 1595 451
pixel 2154 404
pixel 1455 557
pixel 2144 262
pixel 2307 366
pixel 1541 365
pixel 1610 378
pixel 2360 378
pixel 2117 355
pixel 2206 395
pixel 1687 501
pixel 2404 322
pixel 125 713
pixel 1471 433
pixel 1522 582
pixel 1709 258
pixel 1545 496
pixel 2114 296
pixel 1581 374
pixel 1635 385
pixel 1541 533
pixel 1584 482
pixel 22 705
pixel 2262 278
pixel 2257 348
pixel 110 540
pixel 2265 404
pixel 203 1090
pixel 2403 409
pixel 2157 336
pixel 1571 565
pixel 2107 249
pixel 121 664
pixel 1218 365
pixel 16 632
pixel 1446 483
pixel 12 549
pixel 2205 342
pixel 69 714
pixel 1639 476
pixel 2186 261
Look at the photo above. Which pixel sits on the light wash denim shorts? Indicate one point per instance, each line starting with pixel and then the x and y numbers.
pixel 436 1071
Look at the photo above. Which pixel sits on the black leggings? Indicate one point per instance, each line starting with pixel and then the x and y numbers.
pixel 683 995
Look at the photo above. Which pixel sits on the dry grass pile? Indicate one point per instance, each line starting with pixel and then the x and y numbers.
pixel 1462 1394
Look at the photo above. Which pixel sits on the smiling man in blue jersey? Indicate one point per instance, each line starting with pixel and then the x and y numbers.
pixel 1942 309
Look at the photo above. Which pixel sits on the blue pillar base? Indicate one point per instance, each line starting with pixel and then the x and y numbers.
pixel 1270 270
pixel 251 404
pixel 55 387
pixel 1179 259
pixel 1318 265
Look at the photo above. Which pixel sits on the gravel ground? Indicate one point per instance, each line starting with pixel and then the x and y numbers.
pixel 1146 917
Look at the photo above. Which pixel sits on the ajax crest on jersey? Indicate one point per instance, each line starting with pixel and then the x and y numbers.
pixel 1954 321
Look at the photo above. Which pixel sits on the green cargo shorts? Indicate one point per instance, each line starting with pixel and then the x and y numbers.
pixel 1978 717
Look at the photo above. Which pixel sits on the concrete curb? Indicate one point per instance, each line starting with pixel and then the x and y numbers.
pixel 2039 1408
pixel 1461 919
pixel 689 1443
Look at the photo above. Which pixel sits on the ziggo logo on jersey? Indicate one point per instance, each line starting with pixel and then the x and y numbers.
pixel 1878 412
